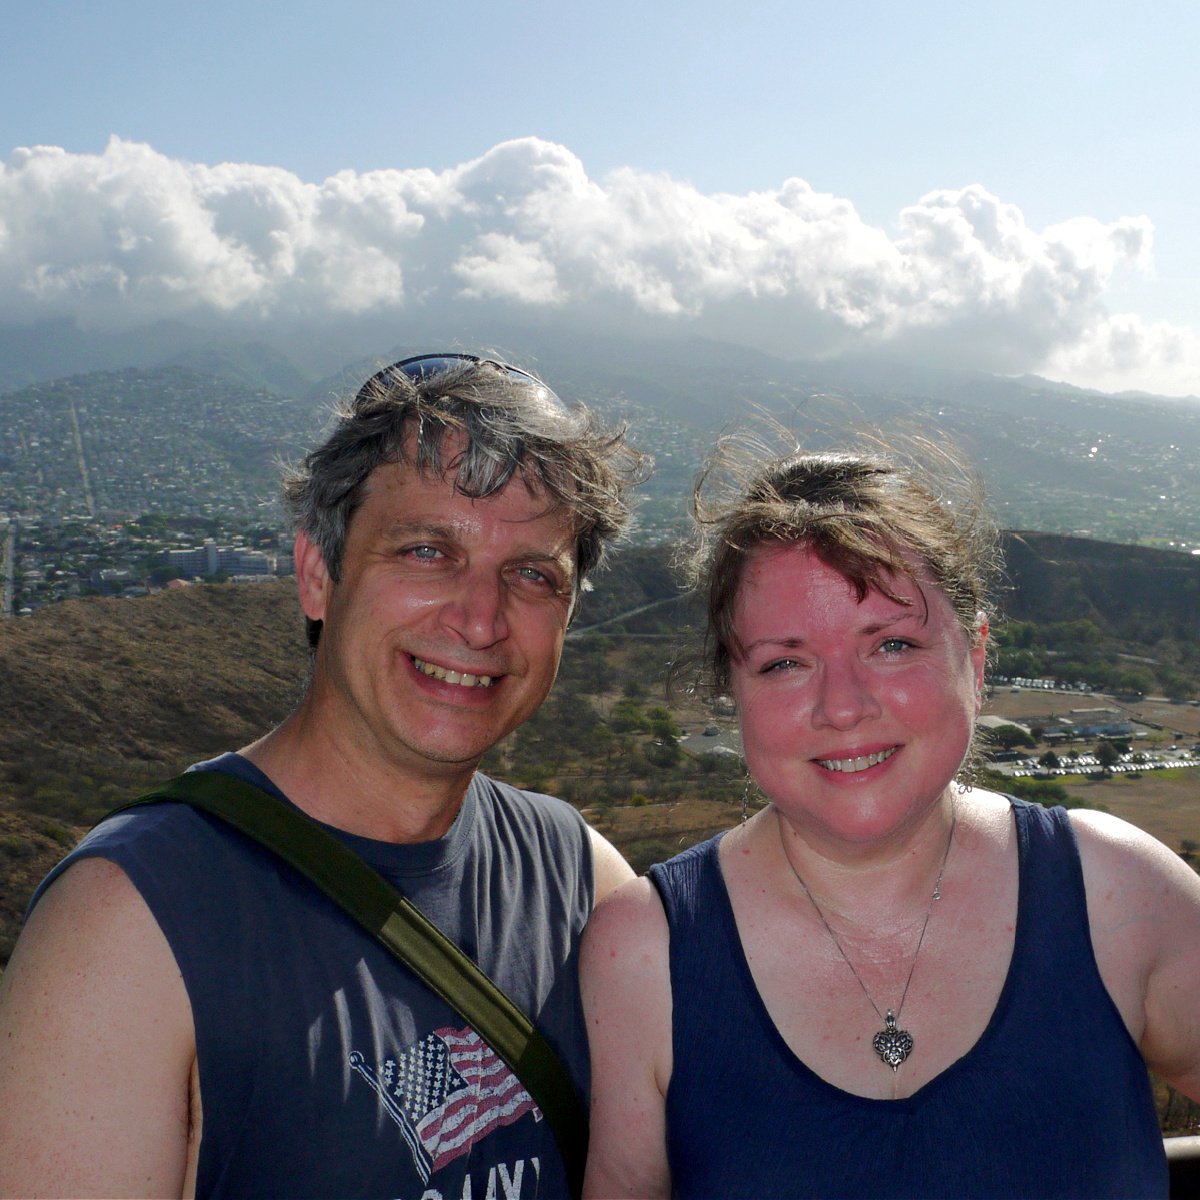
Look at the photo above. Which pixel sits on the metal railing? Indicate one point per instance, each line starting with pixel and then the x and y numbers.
pixel 1183 1159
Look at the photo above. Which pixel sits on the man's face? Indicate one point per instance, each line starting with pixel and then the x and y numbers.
pixel 445 630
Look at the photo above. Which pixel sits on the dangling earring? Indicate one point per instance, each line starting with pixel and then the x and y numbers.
pixel 746 796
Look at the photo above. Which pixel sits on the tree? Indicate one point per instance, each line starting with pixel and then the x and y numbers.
pixel 1008 737
pixel 1107 755
pixel 663 754
pixel 662 724
pixel 1020 634
pixel 1049 759
pixel 626 717
pixel 1019 664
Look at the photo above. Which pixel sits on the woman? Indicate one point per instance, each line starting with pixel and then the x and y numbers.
pixel 883 983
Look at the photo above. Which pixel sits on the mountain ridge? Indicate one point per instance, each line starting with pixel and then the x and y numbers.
pixel 1071 462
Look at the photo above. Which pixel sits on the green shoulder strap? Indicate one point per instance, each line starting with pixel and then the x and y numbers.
pixel 393 920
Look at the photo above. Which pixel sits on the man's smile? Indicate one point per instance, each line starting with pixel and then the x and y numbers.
pixel 447 675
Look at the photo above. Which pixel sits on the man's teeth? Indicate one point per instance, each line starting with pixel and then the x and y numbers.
pixel 861 763
pixel 462 678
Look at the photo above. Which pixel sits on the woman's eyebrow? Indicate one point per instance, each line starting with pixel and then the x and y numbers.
pixel 790 643
pixel 882 623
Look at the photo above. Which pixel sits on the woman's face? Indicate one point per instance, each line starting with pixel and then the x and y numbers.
pixel 855 715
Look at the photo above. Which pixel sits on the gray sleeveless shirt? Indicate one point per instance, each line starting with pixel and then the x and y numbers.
pixel 325 1068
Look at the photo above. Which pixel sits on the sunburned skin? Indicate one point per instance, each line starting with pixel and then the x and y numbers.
pixel 855 712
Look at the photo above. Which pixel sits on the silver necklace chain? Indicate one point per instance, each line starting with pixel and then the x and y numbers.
pixel 893 1045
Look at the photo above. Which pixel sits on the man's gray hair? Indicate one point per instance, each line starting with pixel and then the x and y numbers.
pixel 512 425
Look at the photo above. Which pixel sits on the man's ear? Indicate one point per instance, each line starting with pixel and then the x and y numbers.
pixel 313 582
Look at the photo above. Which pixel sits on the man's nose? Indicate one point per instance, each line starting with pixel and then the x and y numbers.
pixel 477 609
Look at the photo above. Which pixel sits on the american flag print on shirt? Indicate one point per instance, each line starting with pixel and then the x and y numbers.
pixel 447 1092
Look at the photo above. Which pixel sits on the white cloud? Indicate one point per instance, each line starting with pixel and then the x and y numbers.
pixel 130 234
pixel 501 267
pixel 1113 355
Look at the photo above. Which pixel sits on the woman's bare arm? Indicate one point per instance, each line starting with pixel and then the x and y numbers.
pixel 627 1001
pixel 1144 911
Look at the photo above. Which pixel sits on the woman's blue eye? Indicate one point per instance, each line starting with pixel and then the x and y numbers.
pixel 780 664
pixel 895 645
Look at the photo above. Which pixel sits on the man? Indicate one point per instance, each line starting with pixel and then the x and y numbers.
pixel 186 1015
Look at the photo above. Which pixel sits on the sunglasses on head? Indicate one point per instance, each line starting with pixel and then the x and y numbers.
pixel 422 366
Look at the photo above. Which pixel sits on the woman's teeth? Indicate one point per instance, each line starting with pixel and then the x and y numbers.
pixel 850 765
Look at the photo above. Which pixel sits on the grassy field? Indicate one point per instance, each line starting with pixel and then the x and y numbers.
pixel 1163 803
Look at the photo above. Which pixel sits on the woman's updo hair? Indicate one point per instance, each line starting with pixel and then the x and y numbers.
pixel 870 513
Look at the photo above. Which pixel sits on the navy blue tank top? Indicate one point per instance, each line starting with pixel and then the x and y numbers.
pixel 1052 1101
pixel 325 1068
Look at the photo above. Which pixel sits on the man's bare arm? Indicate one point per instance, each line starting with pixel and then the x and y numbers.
pixel 611 869
pixel 97 1048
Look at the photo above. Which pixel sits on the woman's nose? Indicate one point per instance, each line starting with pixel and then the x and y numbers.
pixel 845 695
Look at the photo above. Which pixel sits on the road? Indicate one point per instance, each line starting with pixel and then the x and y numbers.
pixel 8 563
pixel 85 478
pixel 624 616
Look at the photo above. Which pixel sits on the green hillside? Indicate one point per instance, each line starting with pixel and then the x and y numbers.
pixel 105 696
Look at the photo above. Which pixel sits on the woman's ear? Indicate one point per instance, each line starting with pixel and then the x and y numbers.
pixel 979 656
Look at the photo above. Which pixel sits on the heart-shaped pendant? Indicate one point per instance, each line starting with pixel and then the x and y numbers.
pixel 891 1044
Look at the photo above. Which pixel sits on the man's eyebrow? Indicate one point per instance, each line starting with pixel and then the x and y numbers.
pixel 563 555
pixel 417 528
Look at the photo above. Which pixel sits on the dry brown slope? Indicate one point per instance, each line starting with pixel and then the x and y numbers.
pixel 134 687
pixel 100 697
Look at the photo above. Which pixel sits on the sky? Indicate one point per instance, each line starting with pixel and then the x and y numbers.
pixel 1010 187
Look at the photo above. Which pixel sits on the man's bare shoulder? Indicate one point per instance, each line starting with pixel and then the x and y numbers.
pixel 611 869
pixel 95 882
pixel 96 1046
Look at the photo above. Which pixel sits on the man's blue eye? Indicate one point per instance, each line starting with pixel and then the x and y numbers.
pixel 536 576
